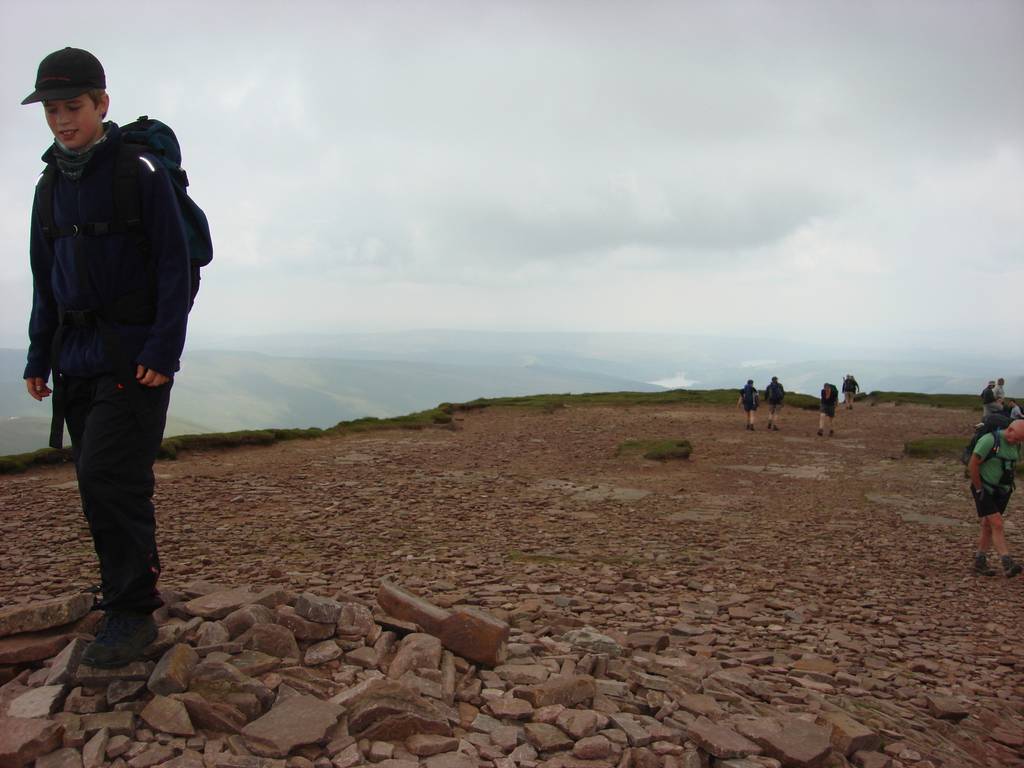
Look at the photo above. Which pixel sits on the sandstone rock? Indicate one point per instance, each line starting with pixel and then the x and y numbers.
pixel 321 610
pixel 648 641
pixel 871 760
pixel 523 674
pixel 116 723
pixel 426 745
pixel 796 743
pixel 46 614
pixel 848 735
pixel 32 646
pixel 155 754
pixel 38 702
pixel 94 753
pixel 65 664
pixel 355 621
pixel 592 748
pixel 510 708
pixel 566 690
pixel 947 707
pixel 62 758
pixel 174 671
pixel 296 721
pixel 579 723
pixel 699 704
pixel 303 629
pixel 272 639
pixel 415 651
pixel 168 716
pixel 209 715
pixel 242 619
pixel 719 740
pixel 451 760
pixel 469 632
pixel 321 653
pixel 22 740
pixel 546 738
pixel 589 639
pixel 348 757
pixel 217 605
pixel 137 670
pixel 637 735
pixel 388 711
pixel 212 633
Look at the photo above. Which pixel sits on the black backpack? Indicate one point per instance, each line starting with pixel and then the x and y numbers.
pixel 774 393
pixel 143 136
pixel 988 395
pixel 991 424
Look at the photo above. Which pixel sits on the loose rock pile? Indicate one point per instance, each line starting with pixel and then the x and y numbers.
pixel 244 678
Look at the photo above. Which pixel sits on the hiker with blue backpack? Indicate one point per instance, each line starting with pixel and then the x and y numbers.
pixel 115 249
pixel 749 400
pixel 774 394
pixel 991 468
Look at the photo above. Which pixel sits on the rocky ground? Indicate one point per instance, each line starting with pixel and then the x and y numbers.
pixel 778 599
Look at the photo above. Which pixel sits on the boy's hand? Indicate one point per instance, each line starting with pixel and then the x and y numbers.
pixel 37 388
pixel 147 377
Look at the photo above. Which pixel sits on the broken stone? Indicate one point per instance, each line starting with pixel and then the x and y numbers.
pixel 415 651
pixel 22 740
pixel 546 738
pixel 321 610
pixel 212 715
pixel 303 629
pixel 565 690
pixel 273 640
pixel 137 670
pixel 217 605
pixel 46 614
pixel 174 671
pixel 796 742
pixel 388 711
pixel 62 758
pixel 64 665
pixel 469 632
pixel 38 702
pixel 589 639
pixel 946 707
pixel 321 653
pixel 719 740
pixel 848 735
pixel 168 716
pixel 426 745
pixel 293 722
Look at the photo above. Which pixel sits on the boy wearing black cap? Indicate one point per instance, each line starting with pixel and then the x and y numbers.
pixel 109 312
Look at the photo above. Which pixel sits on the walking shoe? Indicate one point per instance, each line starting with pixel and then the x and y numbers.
pixel 775 427
pixel 820 433
pixel 831 432
pixel 1010 568
pixel 120 640
pixel 981 566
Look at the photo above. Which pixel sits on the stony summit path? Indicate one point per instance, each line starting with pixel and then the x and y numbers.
pixel 818 573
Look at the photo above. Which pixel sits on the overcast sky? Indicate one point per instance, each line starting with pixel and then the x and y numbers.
pixel 808 170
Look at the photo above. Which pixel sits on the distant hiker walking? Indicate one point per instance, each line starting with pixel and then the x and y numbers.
pixel 850 390
pixel 774 394
pixel 990 404
pixel 999 390
pixel 1015 411
pixel 749 402
pixel 829 400
pixel 991 469
pixel 109 308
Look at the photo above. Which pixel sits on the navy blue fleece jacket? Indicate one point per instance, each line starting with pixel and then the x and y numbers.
pixel 115 268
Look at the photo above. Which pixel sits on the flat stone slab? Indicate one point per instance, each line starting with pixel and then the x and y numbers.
pixel 720 741
pixel 296 721
pixel 22 740
pixel 47 614
pixel 388 711
pixel 218 605
pixel 567 690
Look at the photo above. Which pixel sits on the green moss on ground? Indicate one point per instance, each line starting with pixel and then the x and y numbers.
pixel 942 448
pixel 963 402
pixel 657 450
pixel 19 462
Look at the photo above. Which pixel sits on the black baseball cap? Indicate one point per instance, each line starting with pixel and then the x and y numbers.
pixel 65 74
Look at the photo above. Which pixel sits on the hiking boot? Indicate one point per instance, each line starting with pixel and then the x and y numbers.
pixel 831 432
pixel 775 427
pixel 1010 568
pixel 120 639
pixel 820 433
pixel 981 566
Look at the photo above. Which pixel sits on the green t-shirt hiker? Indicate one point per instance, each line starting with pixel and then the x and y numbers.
pixel 991 470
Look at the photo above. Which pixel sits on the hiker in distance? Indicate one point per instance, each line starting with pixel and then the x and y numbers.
pixel 991 468
pixel 850 390
pixel 110 303
pixel 829 400
pixel 748 402
pixel 774 394
pixel 999 390
pixel 990 403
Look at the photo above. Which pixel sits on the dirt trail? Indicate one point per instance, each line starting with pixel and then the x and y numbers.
pixel 778 542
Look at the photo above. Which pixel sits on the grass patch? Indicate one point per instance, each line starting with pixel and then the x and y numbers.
pixel 19 462
pixel 935 447
pixel 657 450
pixel 942 448
pixel 961 402
pixel 551 402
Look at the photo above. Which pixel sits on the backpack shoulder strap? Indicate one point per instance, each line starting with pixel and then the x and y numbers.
pixel 44 203
pixel 127 207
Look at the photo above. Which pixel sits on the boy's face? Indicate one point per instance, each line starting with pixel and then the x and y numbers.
pixel 77 123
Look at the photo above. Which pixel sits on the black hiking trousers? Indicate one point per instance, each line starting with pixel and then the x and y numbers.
pixel 114 446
